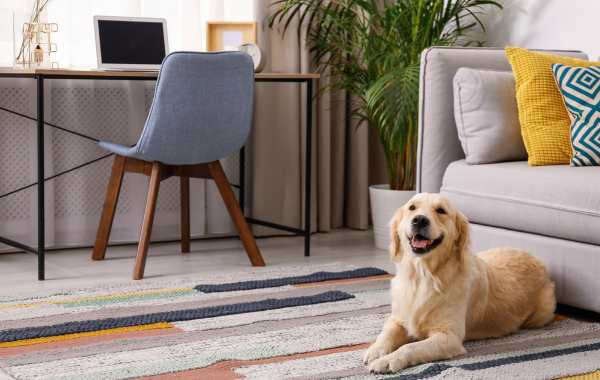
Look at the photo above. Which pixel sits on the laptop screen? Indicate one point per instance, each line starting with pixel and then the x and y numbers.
pixel 131 42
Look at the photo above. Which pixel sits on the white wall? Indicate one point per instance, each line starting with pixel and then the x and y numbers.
pixel 547 24
pixel 11 12
pixel 186 20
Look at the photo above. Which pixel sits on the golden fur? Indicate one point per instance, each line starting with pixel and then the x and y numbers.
pixel 448 295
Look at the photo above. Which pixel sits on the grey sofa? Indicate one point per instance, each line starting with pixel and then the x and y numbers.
pixel 551 211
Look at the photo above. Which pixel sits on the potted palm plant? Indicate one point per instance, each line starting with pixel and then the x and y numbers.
pixel 372 49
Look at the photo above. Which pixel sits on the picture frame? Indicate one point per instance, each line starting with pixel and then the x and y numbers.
pixel 223 36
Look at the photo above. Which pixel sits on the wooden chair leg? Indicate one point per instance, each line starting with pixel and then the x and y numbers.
pixel 184 184
pixel 109 208
pixel 217 173
pixel 153 186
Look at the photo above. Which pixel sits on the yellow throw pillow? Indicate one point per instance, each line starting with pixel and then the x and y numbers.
pixel 545 123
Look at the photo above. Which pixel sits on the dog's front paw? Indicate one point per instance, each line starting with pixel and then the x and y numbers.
pixel 387 364
pixel 375 351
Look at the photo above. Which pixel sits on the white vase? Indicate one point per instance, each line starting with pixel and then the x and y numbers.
pixel 384 203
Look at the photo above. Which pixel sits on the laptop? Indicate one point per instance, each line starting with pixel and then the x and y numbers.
pixel 130 43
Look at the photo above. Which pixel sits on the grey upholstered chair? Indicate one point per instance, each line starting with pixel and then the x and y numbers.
pixel 202 112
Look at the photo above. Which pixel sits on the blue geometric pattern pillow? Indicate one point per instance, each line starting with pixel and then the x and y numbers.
pixel 580 88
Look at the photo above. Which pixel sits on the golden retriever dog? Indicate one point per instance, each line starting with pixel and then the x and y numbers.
pixel 443 295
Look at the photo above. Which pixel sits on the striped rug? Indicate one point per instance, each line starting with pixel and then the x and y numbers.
pixel 302 322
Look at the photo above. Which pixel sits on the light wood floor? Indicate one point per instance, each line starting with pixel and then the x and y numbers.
pixel 74 268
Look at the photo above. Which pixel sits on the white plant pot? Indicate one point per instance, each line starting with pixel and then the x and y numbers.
pixel 384 203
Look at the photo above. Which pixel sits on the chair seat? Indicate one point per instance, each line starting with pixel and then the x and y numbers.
pixel 121 150
pixel 559 201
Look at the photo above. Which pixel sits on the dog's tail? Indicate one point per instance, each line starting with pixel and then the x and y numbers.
pixel 543 311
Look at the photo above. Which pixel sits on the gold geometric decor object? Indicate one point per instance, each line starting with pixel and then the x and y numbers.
pixel 37 48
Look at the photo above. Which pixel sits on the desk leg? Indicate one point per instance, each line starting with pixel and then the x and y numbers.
pixel 41 246
pixel 308 166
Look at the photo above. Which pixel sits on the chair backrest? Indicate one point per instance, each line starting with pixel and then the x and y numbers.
pixel 202 108
pixel 438 143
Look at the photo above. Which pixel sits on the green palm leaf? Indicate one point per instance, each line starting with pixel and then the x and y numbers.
pixel 372 49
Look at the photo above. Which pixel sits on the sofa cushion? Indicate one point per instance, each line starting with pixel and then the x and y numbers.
pixel 580 88
pixel 438 143
pixel 544 119
pixel 487 120
pixel 558 201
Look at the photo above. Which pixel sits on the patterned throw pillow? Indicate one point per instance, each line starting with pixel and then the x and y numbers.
pixel 544 120
pixel 580 88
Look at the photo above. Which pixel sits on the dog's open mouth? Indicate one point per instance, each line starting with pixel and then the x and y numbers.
pixel 421 244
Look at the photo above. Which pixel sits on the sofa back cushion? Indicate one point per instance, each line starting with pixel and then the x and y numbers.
pixel 487 120
pixel 438 143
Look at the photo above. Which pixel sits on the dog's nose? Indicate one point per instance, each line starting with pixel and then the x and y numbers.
pixel 420 221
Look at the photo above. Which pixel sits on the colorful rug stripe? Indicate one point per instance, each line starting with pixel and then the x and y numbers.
pixel 439 369
pixel 294 280
pixel 205 300
pixel 84 342
pixel 306 366
pixel 126 296
pixel 361 301
pixel 347 365
pixel 189 281
pixel 207 336
pixel 228 369
pixel 584 376
pixel 58 338
pixel 384 277
pixel 126 364
pixel 170 316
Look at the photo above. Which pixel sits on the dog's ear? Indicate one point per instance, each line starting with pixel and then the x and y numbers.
pixel 395 244
pixel 463 234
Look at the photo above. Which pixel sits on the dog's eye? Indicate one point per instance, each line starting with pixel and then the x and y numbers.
pixel 412 207
pixel 440 210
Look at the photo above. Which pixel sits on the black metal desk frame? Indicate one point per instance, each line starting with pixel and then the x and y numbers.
pixel 39 77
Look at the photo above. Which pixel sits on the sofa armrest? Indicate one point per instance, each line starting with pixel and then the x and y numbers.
pixel 438 143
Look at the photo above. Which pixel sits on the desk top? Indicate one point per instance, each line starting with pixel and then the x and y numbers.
pixel 133 74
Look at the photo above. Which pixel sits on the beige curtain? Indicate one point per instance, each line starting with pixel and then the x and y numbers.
pixel 346 157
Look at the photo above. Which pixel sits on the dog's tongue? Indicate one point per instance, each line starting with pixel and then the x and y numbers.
pixel 418 243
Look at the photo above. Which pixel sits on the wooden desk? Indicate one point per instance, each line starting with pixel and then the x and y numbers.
pixel 132 75
pixel 39 75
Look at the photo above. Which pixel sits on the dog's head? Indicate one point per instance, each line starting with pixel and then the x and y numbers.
pixel 428 227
